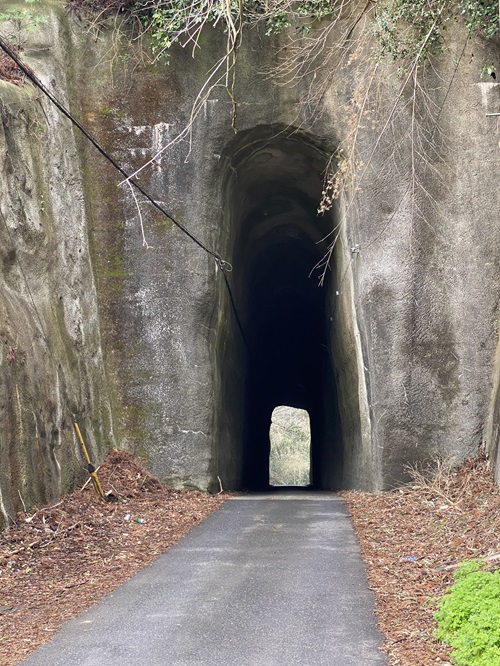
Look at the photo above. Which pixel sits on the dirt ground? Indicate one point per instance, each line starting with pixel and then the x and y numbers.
pixel 412 539
pixel 59 561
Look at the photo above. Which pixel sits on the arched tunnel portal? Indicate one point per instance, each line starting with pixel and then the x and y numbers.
pixel 280 352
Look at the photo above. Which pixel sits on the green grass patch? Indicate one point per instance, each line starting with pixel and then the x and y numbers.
pixel 468 616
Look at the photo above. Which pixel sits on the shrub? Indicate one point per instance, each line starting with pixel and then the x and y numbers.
pixel 468 616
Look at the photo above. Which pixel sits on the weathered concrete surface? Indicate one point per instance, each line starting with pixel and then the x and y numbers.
pixel 411 333
pixel 51 367
pixel 259 582
pixel 493 425
pixel 408 317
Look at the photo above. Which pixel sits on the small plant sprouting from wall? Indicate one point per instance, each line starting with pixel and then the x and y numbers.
pixel 407 27
pixel 290 435
pixel 21 21
pixel 468 616
pixel 15 23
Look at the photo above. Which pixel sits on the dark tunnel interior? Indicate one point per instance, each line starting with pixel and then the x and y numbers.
pixel 277 239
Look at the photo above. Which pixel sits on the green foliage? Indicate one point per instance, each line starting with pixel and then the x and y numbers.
pixel 407 29
pixel 22 15
pixel 22 20
pixel 290 447
pixel 488 70
pixel 468 616
pixel 480 16
pixel 277 23
pixel 281 17
pixel 180 21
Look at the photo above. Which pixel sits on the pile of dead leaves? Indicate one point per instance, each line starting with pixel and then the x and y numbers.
pixel 60 560
pixel 412 540
pixel 9 71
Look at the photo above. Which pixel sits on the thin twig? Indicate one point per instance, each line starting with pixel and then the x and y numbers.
pixel 21 497
pixel 144 241
pixel 88 480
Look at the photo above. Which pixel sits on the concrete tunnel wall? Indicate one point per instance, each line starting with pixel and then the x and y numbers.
pixel 142 342
pixel 409 339
pixel 286 351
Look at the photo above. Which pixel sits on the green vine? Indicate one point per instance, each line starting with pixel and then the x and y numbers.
pixel 404 29
pixel 480 16
pixel 22 20
pixel 181 21
pixel 407 29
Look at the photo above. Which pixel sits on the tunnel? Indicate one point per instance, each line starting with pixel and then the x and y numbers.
pixel 275 340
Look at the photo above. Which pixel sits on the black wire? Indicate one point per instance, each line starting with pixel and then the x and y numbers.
pixel 235 311
pixel 225 266
pixel 36 81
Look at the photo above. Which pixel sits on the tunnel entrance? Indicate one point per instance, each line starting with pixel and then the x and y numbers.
pixel 281 349
pixel 290 456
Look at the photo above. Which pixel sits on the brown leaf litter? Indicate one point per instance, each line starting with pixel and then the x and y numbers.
pixel 9 71
pixel 60 560
pixel 412 539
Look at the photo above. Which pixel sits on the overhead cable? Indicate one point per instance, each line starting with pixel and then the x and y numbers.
pixel 224 265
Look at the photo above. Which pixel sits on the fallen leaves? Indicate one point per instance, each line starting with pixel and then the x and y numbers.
pixel 60 560
pixel 9 71
pixel 411 540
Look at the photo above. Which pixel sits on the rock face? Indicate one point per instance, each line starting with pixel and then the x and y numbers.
pixel 393 356
pixel 51 358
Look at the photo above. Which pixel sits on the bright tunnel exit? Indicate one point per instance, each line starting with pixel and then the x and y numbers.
pixel 290 456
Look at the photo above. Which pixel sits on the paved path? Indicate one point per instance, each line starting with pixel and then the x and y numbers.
pixel 264 581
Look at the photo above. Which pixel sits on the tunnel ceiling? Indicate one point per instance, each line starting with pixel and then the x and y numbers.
pixel 279 185
pixel 277 232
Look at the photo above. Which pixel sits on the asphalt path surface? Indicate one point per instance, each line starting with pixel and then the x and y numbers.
pixel 264 581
